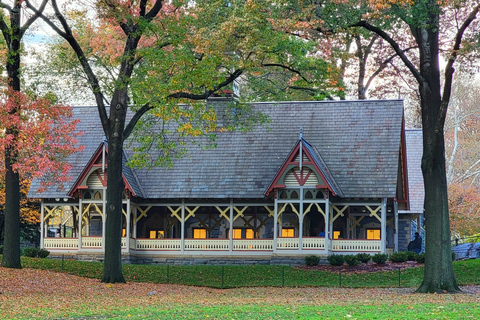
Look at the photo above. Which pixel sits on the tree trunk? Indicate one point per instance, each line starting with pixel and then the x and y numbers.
pixel 11 250
pixel 439 276
pixel 112 272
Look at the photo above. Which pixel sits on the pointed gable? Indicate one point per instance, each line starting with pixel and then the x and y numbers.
pixel 304 167
pixel 94 174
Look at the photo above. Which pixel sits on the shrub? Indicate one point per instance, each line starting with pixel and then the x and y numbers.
pixel 380 258
pixel 312 260
pixel 42 253
pixel 336 260
pixel 30 252
pixel 420 258
pixel 399 256
pixel 351 260
pixel 364 257
pixel 411 256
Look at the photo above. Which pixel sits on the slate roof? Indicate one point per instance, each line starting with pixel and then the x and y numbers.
pixel 358 141
pixel 414 145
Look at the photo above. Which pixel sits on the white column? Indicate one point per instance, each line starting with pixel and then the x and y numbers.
pixel 135 222
pixel 275 222
pixel 230 236
pixel 384 226
pixel 79 224
pixel 182 231
pixel 42 223
pixel 104 217
pixel 327 227
pixel 300 222
pixel 127 231
pixel 395 212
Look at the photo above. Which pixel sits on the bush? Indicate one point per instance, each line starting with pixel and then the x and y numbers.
pixel 351 260
pixel 42 253
pixel 336 260
pixel 399 256
pixel 380 258
pixel 453 256
pixel 31 252
pixel 420 258
pixel 364 257
pixel 312 260
pixel 411 256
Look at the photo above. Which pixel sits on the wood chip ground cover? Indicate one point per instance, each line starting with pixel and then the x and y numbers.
pixel 30 294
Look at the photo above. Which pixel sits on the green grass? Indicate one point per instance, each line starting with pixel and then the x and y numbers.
pixel 467 272
pixel 266 311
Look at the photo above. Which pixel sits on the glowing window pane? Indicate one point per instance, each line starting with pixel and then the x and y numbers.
pixel 199 233
pixel 288 232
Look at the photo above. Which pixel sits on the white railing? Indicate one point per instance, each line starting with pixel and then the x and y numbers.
pixel 132 243
pixel 253 244
pixel 287 243
pixel 157 244
pixel 356 245
pixel 92 242
pixel 60 243
pixel 313 243
pixel 207 244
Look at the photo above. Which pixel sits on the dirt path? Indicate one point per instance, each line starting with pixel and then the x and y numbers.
pixel 27 291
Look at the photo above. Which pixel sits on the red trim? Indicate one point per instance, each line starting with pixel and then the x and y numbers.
pixel 403 153
pixel 290 161
pixel 93 164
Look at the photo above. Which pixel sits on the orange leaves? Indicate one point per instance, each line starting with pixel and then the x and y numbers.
pixel 464 205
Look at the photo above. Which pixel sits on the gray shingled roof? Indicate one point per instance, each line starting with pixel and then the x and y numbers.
pixel 416 191
pixel 357 140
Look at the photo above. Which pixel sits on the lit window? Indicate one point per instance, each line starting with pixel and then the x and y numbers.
pixel 237 233
pixel 199 233
pixel 124 232
pixel 336 234
pixel 373 234
pixel 250 234
pixel 288 232
pixel 155 234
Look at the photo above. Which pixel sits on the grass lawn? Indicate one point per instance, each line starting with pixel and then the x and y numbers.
pixel 77 293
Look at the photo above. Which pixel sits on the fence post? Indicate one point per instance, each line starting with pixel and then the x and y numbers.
pixel 223 273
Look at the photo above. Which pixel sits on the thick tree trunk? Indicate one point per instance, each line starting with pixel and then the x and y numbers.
pixel 439 276
pixel 112 272
pixel 11 250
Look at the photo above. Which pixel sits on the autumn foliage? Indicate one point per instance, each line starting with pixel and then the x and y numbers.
pixel 464 204
pixel 45 137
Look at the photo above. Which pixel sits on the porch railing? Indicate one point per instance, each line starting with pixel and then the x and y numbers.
pixel 207 244
pixel 60 243
pixel 92 242
pixel 313 243
pixel 356 245
pixel 157 244
pixel 287 243
pixel 252 244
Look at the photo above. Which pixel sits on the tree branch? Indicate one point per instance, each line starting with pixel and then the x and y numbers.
pixel 395 47
pixel 208 93
pixel 449 70
pixel 33 18
pixel 287 68
pixel 131 124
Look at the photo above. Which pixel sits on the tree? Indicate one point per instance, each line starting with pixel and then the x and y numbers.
pixel 170 53
pixel 423 19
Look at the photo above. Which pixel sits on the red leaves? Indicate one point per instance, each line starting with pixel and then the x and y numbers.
pixel 41 133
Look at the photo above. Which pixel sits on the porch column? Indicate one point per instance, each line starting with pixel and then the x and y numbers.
pixel 230 234
pixel 395 212
pixel 135 222
pixel 104 217
pixel 79 224
pixel 383 231
pixel 42 223
pixel 182 231
pixel 127 231
pixel 300 222
pixel 275 222
pixel 327 227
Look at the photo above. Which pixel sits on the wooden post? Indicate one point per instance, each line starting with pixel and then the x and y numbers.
pixel 395 212
pixel 182 231
pixel 384 226
pixel 42 224
pixel 275 222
